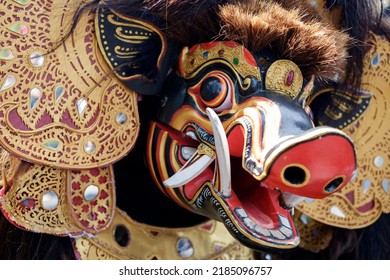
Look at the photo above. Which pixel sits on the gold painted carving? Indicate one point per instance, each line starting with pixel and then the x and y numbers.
pixel 210 240
pixel 364 199
pixel 277 76
pixel 60 106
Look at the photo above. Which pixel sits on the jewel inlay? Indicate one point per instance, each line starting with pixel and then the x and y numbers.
pixel 52 144
pixel 35 95
pixel 9 83
pixel 81 105
pixel 19 28
pixel 6 54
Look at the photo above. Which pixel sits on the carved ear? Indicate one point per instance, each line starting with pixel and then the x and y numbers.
pixel 135 48
pixel 338 106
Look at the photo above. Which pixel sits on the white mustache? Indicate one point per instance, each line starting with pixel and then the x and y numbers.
pixel 192 168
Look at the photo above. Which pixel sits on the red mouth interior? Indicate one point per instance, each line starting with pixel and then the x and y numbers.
pixel 260 203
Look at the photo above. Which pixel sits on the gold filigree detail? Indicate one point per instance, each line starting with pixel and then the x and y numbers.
pixel 364 199
pixel 314 235
pixel 210 240
pixel 90 99
pixel 234 55
pixel 203 149
pixel 284 76
pixel 70 212
pixel 23 201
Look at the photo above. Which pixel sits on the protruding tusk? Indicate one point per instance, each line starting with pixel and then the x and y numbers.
pixel 189 171
pixel 222 151
pixel 291 200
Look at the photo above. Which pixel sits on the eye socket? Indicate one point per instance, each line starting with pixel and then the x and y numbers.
pixel 215 93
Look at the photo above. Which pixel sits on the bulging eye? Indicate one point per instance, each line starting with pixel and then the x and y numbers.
pixel 215 93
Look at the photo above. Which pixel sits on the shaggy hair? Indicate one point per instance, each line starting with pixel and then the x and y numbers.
pixel 293 33
pixel 293 29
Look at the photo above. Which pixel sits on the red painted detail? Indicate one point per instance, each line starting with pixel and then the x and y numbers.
pixel 290 78
pixel 324 158
pixel 94 172
pixel 209 45
pixel 84 178
pixel 249 58
pixel 76 186
pixel 102 179
pixel 16 121
pixel 350 196
pixel 77 201
pixel 103 194
pixel 28 203
pixel 193 49
pixel 236 140
pixel 193 186
pixel 231 44
pixel 44 121
pixel 180 137
pixel 366 207
pixel 208 226
pixel 102 209
pixel 66 119
pixel 85 208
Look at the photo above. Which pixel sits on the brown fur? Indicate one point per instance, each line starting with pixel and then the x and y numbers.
pixel 314 45
pixel 292 28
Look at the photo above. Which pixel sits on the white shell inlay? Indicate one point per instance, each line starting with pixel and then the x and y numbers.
pixel 36 59
pixel 52 144
pixel 379 161
pixel 91 192
pixel 59 91
pixel 89 147
pixel 121 118
pixel 366 185
pixel 185 247
pixel 9 82
pixel 385 185
pixel 337 212
pixel 49 200
pixel 35 95
pixel 81 105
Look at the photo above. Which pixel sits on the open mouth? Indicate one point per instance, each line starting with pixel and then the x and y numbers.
pixel 256 215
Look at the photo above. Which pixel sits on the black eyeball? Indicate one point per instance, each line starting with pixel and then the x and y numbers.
pixel 213 91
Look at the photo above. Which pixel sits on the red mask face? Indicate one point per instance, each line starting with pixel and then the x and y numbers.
pixel 236 144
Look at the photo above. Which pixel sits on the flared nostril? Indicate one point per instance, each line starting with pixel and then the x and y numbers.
pixel 295 175
pixel 333 185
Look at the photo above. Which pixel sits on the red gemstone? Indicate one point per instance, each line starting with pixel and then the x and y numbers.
pixel 290 78
pixel 221 52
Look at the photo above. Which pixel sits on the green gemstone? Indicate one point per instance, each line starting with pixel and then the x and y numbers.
pixel 22 2
pixel 52 144
pixel 6 54
pixel 236 61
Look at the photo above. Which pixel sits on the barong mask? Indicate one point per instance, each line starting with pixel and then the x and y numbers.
pixel 236 143
pixel 234 140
